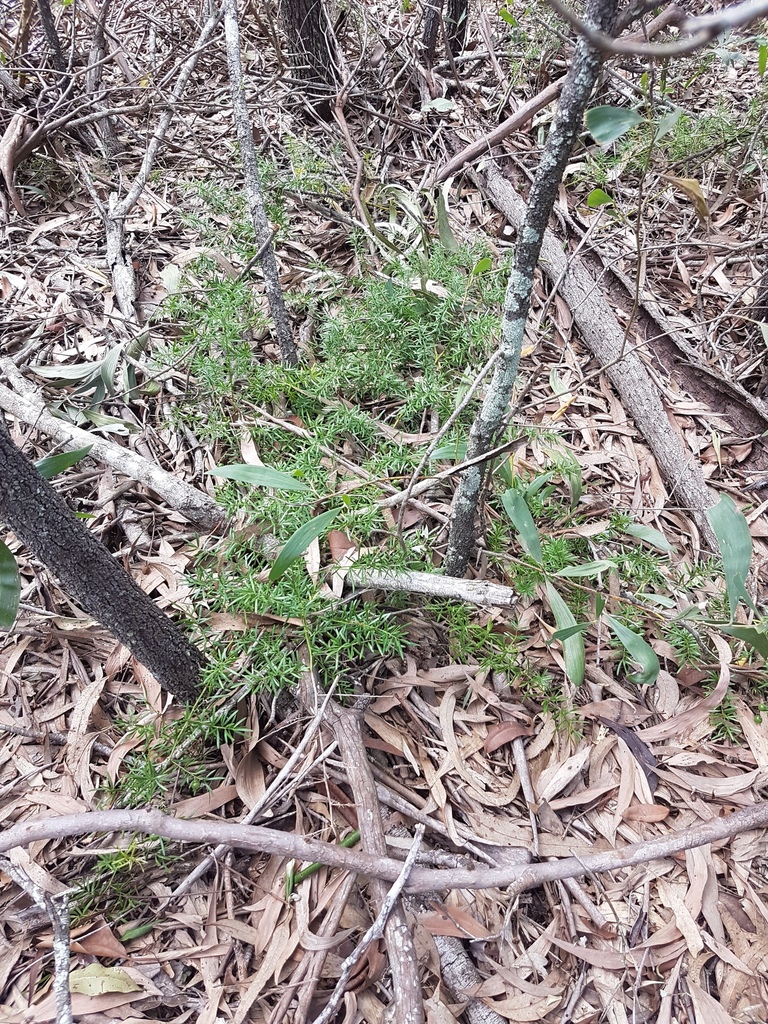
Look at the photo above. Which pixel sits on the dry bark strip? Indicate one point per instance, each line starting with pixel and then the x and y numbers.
pixel 480 592
pixel 603 335
pixel 196 507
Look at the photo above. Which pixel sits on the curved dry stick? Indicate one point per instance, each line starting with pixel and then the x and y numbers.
pixel 264 840
pixel 703 29
pixel 512 123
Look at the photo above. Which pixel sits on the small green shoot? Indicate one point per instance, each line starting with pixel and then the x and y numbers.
pixel 52 465
pixel 518 511
pixel 732 532
pixel 641 652
pixel 572 640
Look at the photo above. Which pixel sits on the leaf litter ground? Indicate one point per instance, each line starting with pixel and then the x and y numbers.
pixel 457 693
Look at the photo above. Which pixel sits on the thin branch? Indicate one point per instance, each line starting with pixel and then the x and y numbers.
pixel 122 208
pixel 269 797
pixel 270 841
pixel 56 906
pixel 702 30
pixel 407 1002
pixel 515 121
pixel 261 227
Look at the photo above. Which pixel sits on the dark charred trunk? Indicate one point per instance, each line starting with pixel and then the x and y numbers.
pixel 312 50
pixel 44 523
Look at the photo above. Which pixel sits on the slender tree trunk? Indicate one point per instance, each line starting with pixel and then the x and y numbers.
pixel 288 353
pixel 453 16
pixel 44 523
pixel 312 49
pixel 456 25
pixel 579 83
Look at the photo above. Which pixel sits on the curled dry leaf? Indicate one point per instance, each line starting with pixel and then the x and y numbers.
pixel 645 812
pixel 505 732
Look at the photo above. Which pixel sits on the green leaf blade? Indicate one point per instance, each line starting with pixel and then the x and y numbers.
pixel 299 541
pixel 735 542
pixel 52 465
pixel 522 520
pixel 260 476
pixel 653 537
pixel 571 637
pixel 607 124
pixel 641 652
pixel 10 587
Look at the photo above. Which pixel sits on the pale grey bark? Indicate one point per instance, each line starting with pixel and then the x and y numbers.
pixel 626 371
pixel 480 592
pixel 261 228
pixel 567 123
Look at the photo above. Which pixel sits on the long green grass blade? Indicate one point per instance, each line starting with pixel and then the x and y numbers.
pixel 573 643
pixel 9 587
pixel 298 542
pixel 521 517
pixel 732 532
pixel 260 476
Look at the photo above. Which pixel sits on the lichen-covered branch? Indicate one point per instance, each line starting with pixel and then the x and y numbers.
pixel 567 123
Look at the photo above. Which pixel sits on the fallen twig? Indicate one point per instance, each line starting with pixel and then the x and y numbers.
pixel 261 227
pixel 375 932
pixel 265 840
pixel 481 592
pixel 29 407
pixel 408 1004
pixel 512 124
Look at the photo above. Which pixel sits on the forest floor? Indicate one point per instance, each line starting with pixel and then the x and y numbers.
pixel 607 704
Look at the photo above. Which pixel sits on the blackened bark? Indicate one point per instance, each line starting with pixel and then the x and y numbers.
pixel 43 522
pixel 456 25
pixel 454 16
pixel 49 26
pixel 432 17
pixel 579 83
pixel 312 49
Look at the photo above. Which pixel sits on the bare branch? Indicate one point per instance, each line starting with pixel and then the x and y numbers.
pixel 256 209
pixel 375 932
pixel 270 841
pixel 56 906
pixel 702 30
